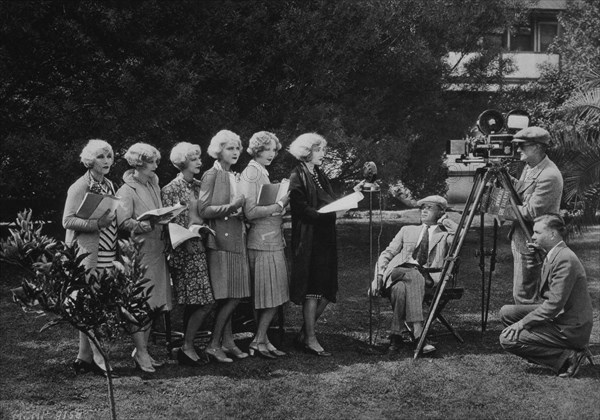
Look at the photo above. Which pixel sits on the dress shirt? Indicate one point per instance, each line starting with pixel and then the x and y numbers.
pixel 430 229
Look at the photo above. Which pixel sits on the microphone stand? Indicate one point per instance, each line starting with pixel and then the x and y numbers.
pixel 370 188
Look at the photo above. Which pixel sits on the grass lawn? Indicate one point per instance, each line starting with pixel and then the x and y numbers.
pixel 471 380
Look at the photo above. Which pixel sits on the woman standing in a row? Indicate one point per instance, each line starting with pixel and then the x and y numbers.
pixel 314 250
pixel 140 193
pixel 220 205
pixel 96 237
pixel 268 266
pixel 188 265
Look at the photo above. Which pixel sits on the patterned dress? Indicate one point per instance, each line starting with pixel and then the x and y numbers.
pixel 187 262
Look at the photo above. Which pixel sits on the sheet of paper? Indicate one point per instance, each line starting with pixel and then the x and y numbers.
pixel 345 203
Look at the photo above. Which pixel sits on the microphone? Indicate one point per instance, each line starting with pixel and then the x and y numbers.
pixel 370 175
pixel 370 172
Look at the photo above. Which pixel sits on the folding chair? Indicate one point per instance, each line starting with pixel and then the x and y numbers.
pixel 451 292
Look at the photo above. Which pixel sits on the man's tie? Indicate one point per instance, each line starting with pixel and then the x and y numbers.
pixel 421 252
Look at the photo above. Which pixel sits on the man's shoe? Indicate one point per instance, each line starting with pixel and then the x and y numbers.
pixel 573 364
pixel 427 347
pixel 395 344
pixel 407 337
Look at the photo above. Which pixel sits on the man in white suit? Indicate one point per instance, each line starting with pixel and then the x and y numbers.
pixel 555 333
pixel 540 189
pixel 402 268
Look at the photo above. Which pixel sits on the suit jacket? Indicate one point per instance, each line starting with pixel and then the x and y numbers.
pixel 214 206
pixel 265 229
pixel 401 249
pixel 540 194
pixel 567 303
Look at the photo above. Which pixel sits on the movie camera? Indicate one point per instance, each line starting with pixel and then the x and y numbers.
pixel 495 139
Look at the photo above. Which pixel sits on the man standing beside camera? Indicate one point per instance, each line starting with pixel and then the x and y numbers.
pixel 540 189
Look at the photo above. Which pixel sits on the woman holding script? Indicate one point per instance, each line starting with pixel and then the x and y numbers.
pixel 268 267
pixel 97 237
pixel 141 193
pixel 314 281
pixel 220 204
pixel 187 262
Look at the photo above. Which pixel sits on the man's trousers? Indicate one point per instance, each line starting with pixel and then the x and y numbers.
pixel 543 344
pixel 406 295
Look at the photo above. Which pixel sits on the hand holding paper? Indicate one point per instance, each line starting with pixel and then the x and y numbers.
pixel 162 215
pixel 178 234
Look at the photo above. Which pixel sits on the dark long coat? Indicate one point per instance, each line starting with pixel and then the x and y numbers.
pixel 314 247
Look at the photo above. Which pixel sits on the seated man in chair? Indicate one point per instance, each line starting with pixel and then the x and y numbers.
pixel 402 269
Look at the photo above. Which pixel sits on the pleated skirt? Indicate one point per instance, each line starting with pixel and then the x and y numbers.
pixel 229 274
pixel 269 274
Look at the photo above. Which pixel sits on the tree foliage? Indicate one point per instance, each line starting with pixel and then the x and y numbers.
pixel 100 303
pixel 368 75
pixel 570 107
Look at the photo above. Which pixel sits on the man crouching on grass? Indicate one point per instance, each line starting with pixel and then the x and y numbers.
pixel 556 332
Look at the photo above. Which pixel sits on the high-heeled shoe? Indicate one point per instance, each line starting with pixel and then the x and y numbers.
pixel 217 355
pixel 275 351
pixel 100 371
pixel 299 341
pixel 310 350
pixel 259 349
pixel 81 366
pixel 147 369
pixel 153 362
pixel 185 360
pixel 235 352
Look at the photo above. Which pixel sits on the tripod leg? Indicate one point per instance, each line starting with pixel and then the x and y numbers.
pixel 514 203
pixel 491 273
pixel 482 267
pixel 371 268
pixel 481 178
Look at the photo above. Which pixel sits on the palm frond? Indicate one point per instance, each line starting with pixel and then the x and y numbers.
pixel 578 157
pixel 592 80
pixel 584 105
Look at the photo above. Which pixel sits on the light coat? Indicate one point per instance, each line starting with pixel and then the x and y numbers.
pixel 83 231
pixel 401 249
pixel 540 194
pixel 137 198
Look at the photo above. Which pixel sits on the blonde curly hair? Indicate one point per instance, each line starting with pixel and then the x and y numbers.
pixel 302 148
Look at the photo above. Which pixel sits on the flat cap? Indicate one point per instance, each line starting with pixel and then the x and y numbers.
pixel 532 134
pixel 435 199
